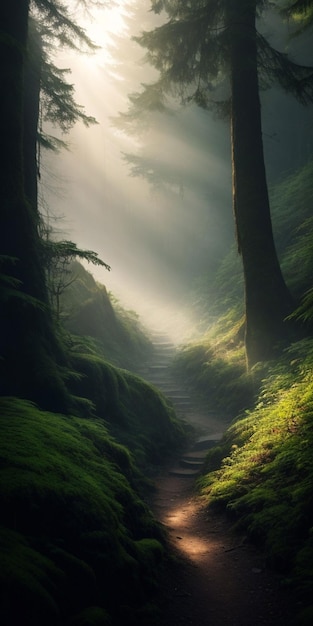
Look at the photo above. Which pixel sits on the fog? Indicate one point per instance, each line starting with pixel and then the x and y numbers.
pixel 158 231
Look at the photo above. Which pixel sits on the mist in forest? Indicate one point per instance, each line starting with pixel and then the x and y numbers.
pixel 162 230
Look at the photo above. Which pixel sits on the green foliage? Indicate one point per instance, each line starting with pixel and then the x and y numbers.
pixel 57 98
pixel 214 367
pixel 56 251
pixel 191 52
pixel 304 312
pixel 10 286
pixel 53 25
pixel 261 472
pixel 88 310
pixel 70 515
pixel 136 413
pixel 291 202
pixel 58 257
pixel 265 477
pixel 294 237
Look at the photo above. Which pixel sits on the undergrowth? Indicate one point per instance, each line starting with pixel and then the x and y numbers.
pixel 262 470
pixel 214 367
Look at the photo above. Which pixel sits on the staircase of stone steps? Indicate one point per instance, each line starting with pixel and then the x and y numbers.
pixel 208 427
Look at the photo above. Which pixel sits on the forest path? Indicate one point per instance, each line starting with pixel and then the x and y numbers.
pixel 218 578
pixel 208 426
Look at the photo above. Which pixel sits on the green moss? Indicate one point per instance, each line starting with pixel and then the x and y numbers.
pixel 135 412
pixel 214 367
pixel 29 582
pixel 71 513
pixel 265 478
pixel 88 310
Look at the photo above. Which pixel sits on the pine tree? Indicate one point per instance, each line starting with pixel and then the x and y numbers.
pixel 31 358
pixel 211 53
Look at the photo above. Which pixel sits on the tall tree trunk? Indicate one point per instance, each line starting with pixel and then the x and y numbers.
pixel 267 299
pixel 31 110
pixel 27 343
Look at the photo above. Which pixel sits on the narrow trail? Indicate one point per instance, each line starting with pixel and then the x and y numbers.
pixel 218 578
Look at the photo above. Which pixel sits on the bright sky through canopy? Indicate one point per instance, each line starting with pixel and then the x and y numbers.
pixel 150 238
pixel 159 240
pixel 165 228
pixel 107 22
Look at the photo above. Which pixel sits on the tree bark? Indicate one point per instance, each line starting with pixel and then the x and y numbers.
pixel 267 298
pixel 27 343
pixel 31 111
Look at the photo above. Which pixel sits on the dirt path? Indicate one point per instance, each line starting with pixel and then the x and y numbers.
pixel 218 578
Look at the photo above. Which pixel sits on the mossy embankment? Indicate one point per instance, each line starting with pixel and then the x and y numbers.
pixel 78 544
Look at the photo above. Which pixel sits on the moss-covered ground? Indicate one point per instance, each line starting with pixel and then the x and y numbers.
pixel 78 544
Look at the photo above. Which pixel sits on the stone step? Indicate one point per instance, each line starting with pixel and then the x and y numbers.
pixel 159 338
pixel 161 362
pixel 177 397
pixel 190 464
pixel 183 473
pixel 163 348
pixel 196 455
pixel 158 363
pixel 181 403
pixel 207 442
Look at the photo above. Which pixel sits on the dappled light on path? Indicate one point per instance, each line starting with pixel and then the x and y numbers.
pixel 190 542
pixel 217 579
pixel 221 579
